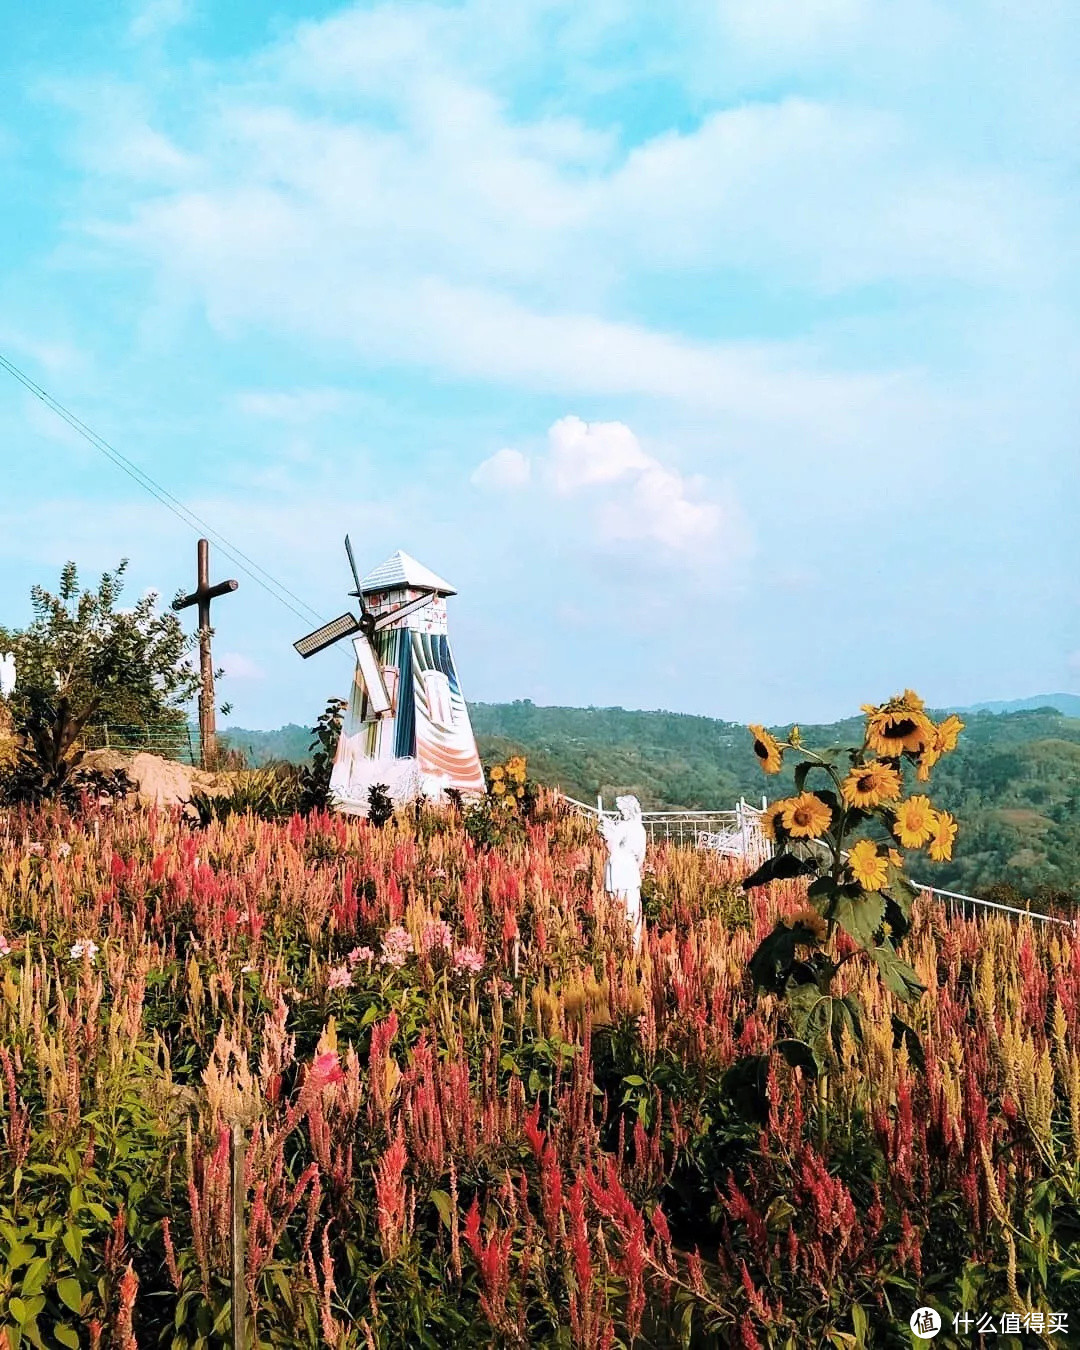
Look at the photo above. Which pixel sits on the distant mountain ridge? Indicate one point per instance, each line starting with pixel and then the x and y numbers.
pixel 1068 704
pixel 292 742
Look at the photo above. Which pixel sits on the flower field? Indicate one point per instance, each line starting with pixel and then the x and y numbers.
pixel 472 1116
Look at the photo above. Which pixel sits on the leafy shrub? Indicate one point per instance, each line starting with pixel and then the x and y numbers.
pixel 380 805
pixel 273 792
pixel 315 778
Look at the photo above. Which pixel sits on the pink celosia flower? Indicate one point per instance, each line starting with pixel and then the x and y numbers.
pixel 340 977
pixel 468 958
pixel 326 1069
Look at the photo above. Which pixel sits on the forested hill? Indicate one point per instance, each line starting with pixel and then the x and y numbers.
pixel 1013 782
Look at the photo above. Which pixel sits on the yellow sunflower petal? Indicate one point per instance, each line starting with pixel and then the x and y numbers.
pixel 868 866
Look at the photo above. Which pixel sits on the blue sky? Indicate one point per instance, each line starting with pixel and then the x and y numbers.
pixel 724 355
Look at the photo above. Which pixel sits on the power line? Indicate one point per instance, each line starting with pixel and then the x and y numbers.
pixel 270 584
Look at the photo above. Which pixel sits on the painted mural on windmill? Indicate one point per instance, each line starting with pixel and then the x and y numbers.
pixel 406 725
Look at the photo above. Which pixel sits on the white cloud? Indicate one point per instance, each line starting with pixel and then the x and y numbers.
pixel 658 508
pixel 628 495
pixel 419 222
pixel 239 667
pixel 583 455
pixel 504 471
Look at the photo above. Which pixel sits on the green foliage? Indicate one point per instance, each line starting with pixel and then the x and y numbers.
pixel 81 659
pixel 124 667
pixel 273 792
pixel 380 805
pixel 315 777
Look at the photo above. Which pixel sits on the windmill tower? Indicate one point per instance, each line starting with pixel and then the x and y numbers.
pixel 407 724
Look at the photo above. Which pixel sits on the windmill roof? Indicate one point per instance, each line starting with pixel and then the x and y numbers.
pixel 401 569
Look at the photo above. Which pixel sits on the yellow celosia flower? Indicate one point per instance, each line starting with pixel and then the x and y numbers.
pixel 871 784
pixel 941 841
pixel 805 816
pixel 867 865
pixel 915 820
pixel 768 751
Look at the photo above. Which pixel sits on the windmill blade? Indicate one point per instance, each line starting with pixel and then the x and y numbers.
pixel 355 573
pixel 371 671
pixel 402 611
pixel 343 626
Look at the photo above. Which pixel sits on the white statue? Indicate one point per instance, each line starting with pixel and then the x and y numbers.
pixel 626 839
pixel 7 674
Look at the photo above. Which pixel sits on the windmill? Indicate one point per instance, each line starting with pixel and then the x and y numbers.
pixel 407 724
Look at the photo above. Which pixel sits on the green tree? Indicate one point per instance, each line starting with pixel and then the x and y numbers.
pixel 82 660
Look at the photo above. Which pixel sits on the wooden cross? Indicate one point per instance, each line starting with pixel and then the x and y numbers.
pixel 201 596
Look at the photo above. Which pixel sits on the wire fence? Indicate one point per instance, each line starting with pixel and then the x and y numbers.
pixel 183 744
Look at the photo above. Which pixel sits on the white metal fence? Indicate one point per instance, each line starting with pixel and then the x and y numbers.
pixel 735 833
pixel 738 834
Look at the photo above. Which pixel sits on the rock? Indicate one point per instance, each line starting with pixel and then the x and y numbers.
pixel 163 782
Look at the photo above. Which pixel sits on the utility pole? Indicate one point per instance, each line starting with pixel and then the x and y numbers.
pixel 201 596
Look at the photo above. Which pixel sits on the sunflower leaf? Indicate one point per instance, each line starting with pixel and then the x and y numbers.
pixel 771 964
pixel 745 1084
pixel 860 916
pixel 779 868
pixel 803 1001
pixel 897 917
pixel 799 1055
pixel 897 974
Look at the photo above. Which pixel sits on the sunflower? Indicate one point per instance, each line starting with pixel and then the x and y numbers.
pixel 870 784
pixel 948 733
pixel 868 867
pixel 768 819
pixel 941 841
pixel 899 726
pixel 497 771
pixel 915 821
pixel 895 857
pixel 498 787
pixel 767 749
pixel 805 816
pixel 809 919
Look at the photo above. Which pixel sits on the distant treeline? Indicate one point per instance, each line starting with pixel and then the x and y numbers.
pixel 1013 782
